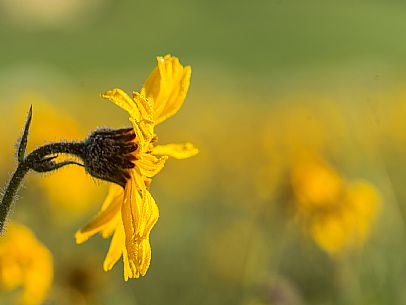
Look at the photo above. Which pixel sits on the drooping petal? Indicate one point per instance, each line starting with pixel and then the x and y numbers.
pixel 131 209
pixel 177 151
pixel 129 213
pixel 167 85
pixel 114 192
pixel 139 215
pixel 149 165
pixel 110 208
pixel 144 248
pixel 139 251
pixel 127 269
pixel 116 247
pixel 129 219
pixel 149 215
pixel 110 227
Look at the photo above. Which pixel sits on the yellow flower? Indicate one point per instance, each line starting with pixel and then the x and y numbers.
pixel 347 227
pixel 131 213
pixel 336 214
pixel 315 184
pixel 25 262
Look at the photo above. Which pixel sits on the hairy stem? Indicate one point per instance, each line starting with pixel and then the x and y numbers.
pixel 9 194
pixel 39 161
pixel 72 148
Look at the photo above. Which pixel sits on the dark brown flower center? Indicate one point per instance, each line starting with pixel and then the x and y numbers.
pixel 108 154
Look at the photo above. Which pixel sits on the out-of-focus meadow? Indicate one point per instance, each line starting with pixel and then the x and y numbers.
pixel 298 109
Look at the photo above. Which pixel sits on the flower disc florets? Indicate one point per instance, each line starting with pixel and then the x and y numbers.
pixel 108 154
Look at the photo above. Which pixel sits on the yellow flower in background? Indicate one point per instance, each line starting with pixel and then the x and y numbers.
pixel 26 263
pixel 337 214
pixel 131 213
pixel 315 184
pixel 348 226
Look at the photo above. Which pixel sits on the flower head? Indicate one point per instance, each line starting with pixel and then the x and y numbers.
pixel 107 154
pixel 130 213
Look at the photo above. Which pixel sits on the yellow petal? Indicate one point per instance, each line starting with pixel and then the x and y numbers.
pixel 121 99
pixel 144 106
pixel 138 258
pixel 177 151
pixel 149 165
pixel 127 269
pixel 149 215
pixel 129 220
pixel 139 179
pixel 139 250
pixel 144 248
pixel 114 192
pixel 139 215
pixel 143 122
pixel 144 131
pixel 139 108
pixel 167 85
pixel 116 248
pixel 101 222
pixel 144 117
pixel 142 137
pixel 111 226
pixel 129 223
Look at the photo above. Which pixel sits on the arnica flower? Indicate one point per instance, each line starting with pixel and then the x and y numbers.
pixel 26 263
pixel 130 212
pixel 337 214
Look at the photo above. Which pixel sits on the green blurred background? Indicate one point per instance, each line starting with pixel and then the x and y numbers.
pixel 272 81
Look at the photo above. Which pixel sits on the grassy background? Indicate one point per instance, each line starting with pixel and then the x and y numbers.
pixel 339 66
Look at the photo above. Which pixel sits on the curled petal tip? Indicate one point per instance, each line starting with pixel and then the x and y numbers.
pixel 107 94
pixel 80 238
pixel 107 267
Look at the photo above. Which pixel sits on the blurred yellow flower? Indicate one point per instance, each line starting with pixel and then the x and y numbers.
pixel 337 214
pixel 348 226
pixel 25 262
pixel 315 184
pixel 131 213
